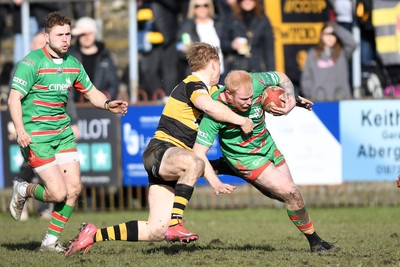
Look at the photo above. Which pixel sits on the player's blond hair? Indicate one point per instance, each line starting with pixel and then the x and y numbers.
pixel 200 54
pixel 237 79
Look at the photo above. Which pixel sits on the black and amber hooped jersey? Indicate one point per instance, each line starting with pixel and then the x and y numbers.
pixel 180 119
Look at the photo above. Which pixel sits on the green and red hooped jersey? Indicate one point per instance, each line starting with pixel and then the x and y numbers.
pixel 45 83
pixel 244 151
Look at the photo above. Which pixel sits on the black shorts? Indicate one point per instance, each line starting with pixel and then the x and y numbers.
pixel 152 157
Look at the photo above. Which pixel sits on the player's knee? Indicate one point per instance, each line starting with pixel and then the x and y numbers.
pixel 58 195
pixel 199 165
pixel 78 188
pixel 74 190
pixel 293 195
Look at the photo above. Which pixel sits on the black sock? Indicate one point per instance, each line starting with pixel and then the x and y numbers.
pixel 313 238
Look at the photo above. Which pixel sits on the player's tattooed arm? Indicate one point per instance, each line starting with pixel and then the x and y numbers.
pixel 286 84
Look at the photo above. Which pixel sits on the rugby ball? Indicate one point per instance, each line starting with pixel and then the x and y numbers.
pixel 272 96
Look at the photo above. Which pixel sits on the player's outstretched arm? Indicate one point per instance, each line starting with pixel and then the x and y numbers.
pixel 209 174
pixel 99 100
pixel 222 113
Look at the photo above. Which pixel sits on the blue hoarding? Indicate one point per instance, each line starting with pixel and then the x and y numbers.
pixel 137 128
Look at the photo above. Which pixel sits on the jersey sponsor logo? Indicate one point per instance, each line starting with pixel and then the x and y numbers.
pixel 257 113
pixel 256 162
pixel 202 91
pixel 63 88
pixel 202 134
pixel 59 87
pixel 60 70
pixel 27 61
pixel 19 80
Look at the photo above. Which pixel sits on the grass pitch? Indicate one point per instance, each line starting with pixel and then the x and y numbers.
pixel 242 237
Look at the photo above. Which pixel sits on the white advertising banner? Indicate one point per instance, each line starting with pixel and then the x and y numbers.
pixel 370 136
pixel 311 150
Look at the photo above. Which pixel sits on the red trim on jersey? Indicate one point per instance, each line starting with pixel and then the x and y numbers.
pixel 46 52
pixel 71 70
pixel 258 99
pixel 277 153
pixel 220 97
pixel 48 118
pixel 244 143
pixel 59 217
pixel 48 104
pixel 34 161
pixel 45 71
pixel 263 119
pixel 55 70
pixel 252 175
pixel 263 142
pixel 48 132
pixel 41 87
pixel 82 89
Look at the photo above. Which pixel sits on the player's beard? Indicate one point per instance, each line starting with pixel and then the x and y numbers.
pixel 60 51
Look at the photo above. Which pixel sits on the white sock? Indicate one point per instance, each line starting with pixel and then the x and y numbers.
pixel 49 239
pixel 22 189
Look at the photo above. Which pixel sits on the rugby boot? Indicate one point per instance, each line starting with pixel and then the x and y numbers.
pixel 323 246
pixel 55 247
pixel 179 233
pixel 17 201
pixel 84 240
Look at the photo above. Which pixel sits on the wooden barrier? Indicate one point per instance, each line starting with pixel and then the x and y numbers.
pixel 245 196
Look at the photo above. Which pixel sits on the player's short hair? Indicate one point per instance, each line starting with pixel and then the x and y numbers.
pixel 200 54
pixel 237 78
pixel 55 19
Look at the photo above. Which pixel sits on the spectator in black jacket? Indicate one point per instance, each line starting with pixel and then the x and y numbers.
pixel 252 38
pixel 95 58
pixel 201 25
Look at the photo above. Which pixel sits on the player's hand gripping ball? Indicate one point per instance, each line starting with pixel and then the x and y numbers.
pixel 272 96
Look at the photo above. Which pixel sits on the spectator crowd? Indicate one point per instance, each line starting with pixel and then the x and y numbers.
pixel 240 28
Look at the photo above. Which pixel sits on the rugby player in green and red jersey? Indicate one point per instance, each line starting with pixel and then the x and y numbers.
pixel 37 104
pixel 255 157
